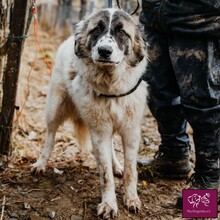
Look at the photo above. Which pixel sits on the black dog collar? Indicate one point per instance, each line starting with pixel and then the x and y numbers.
pixel 123 94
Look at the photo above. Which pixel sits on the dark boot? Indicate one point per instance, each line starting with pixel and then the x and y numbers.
pixel 209 180
pixel 207 167
pixel 168 162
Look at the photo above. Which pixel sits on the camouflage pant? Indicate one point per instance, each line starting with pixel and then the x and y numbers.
pixel 184 79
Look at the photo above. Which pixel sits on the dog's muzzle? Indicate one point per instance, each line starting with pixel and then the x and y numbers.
pixel 105 51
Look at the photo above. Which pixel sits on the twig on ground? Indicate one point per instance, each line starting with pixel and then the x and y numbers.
pixel 40 202
pixel 84 213
pixel 3 208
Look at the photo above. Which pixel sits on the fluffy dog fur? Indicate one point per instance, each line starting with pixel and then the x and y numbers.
pixel 92 75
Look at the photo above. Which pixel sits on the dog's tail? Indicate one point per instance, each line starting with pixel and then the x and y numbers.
pixel 83 136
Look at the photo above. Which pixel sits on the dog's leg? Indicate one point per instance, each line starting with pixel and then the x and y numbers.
pixel 130 140
pixel 40 165
pixel 102 147
pixel 55 115
pixel 117 167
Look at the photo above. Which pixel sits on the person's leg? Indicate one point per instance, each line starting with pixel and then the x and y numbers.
pixel 196 63
pixel 164 103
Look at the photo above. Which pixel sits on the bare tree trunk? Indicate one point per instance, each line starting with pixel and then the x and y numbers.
pixel 56 16
pixel 93 5
pixel 128 6
pixel 83 9
pixel 110 3
pixel 4 31
pixel 64 12
pixel 13 13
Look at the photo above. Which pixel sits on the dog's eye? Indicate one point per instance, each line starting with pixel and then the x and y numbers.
pixel 98 30
pixel 121 33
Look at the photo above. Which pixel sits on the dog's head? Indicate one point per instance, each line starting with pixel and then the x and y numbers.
pixel 107 37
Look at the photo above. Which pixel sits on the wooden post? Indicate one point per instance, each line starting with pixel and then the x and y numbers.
pixel 13 49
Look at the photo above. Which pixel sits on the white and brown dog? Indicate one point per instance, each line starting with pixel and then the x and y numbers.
pixel 97 84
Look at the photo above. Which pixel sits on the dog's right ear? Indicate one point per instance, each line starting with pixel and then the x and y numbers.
pixel 80 39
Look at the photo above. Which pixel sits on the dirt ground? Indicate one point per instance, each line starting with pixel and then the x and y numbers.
pixel 70 187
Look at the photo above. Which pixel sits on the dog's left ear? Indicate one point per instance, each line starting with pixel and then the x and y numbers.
pixel 139 47
pixel 80 39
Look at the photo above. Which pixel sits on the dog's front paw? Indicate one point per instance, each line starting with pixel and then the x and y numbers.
pixel 133 204
pixel 38 167
pixel 106 210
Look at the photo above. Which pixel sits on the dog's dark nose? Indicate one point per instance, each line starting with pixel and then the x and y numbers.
pixel 105 51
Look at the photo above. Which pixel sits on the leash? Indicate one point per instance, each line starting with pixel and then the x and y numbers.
pixel 136 9
pixel 120 7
